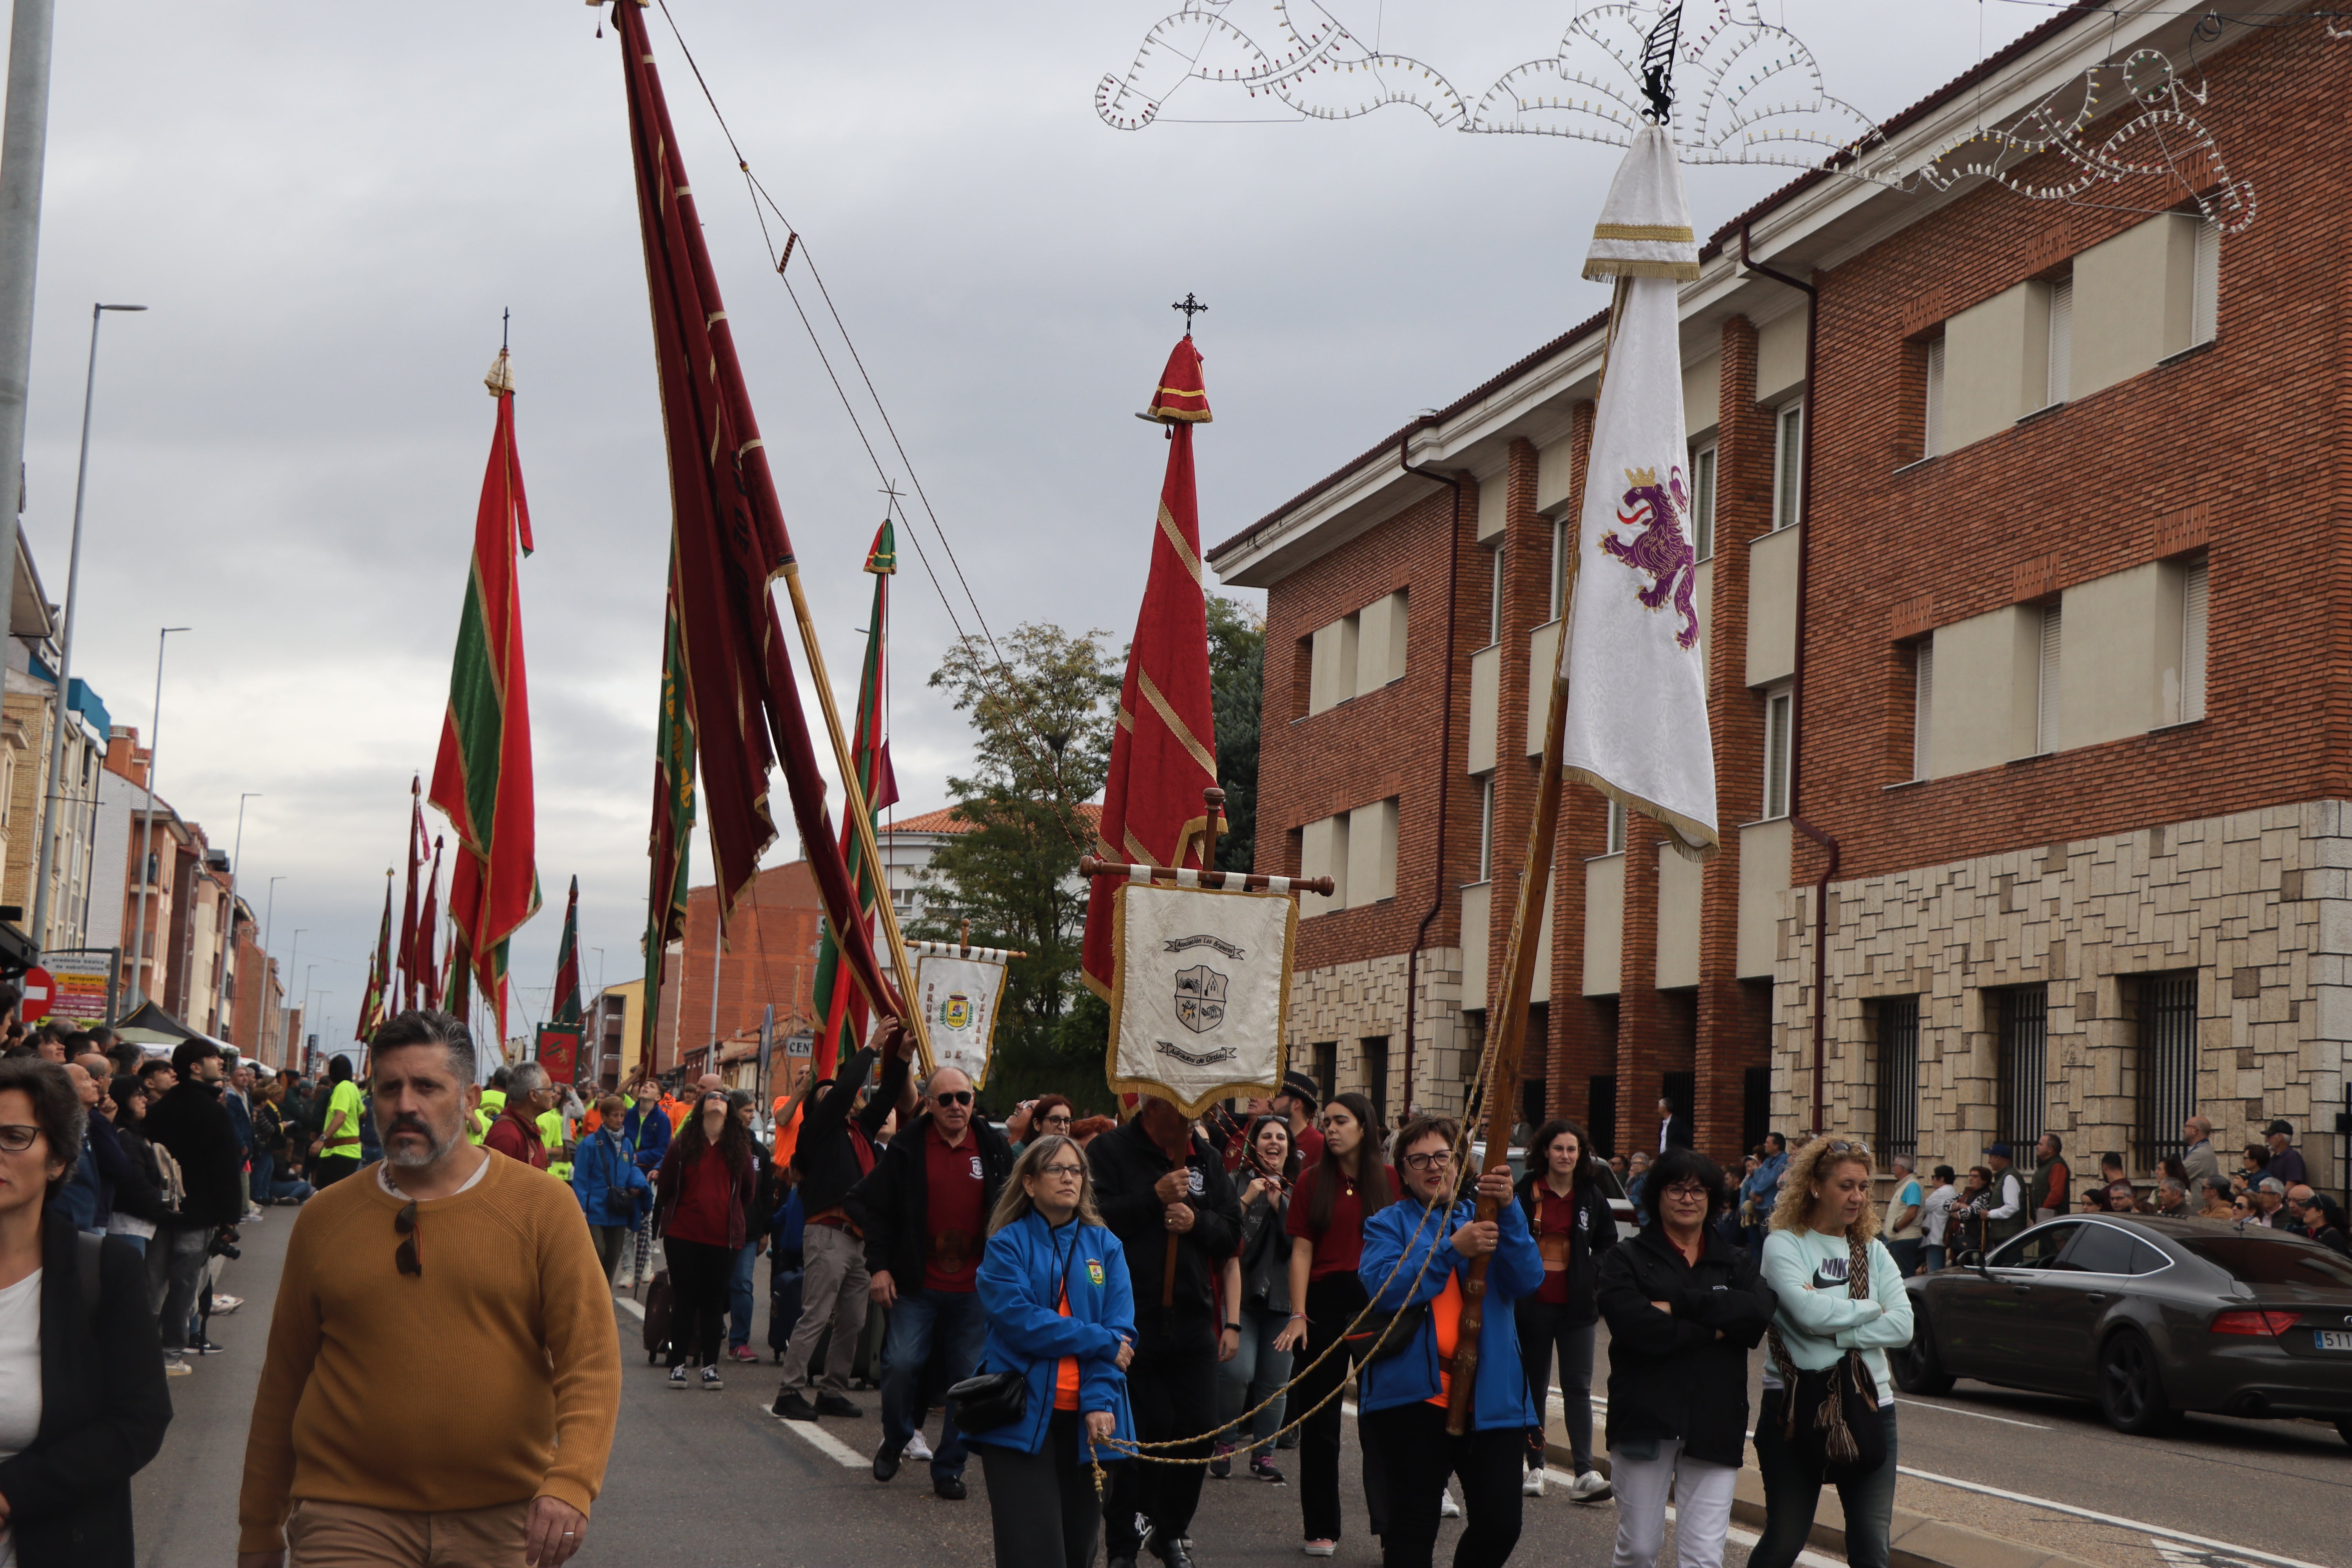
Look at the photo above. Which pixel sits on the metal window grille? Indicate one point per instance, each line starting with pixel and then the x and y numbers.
pixel 2024 1051
pixel 1898 1077
pixel 2167 1065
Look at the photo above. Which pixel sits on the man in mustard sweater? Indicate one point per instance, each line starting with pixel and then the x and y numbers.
pixel 358 1454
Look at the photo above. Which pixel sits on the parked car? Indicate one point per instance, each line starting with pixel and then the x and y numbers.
pixel 2151 1318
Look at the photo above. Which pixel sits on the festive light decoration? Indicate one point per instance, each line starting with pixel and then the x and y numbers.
pixel 1746 91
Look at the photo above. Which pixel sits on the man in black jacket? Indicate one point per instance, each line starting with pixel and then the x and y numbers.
pixel 1164 1192
pixel 925 1212
pixel 191 1122
pixel 835 1153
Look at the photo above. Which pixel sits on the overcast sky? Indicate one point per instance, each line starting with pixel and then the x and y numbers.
pixel 327 207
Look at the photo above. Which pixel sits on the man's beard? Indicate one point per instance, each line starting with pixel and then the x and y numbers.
pixel 405 1156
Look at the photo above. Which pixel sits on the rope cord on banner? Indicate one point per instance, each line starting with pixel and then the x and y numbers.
pixel 794 241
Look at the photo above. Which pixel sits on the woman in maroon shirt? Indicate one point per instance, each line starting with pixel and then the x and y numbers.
pixel 1333 1199
pixel 703 1214
pixel 1568 1209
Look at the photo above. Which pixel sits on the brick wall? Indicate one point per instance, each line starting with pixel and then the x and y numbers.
pixel 771 958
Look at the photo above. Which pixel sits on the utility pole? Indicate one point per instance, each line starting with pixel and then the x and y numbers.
pixel 24 148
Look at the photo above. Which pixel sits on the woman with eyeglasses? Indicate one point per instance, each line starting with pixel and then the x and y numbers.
pixel 1250 1370
pixel 1061 1313
pixel 82 1400
pixel 1417 1264
pixel 702 1213
pixel 1568 1212
pixel 1840 1305
pixel 1685 1307
pixel 1336 1197
pixel 1035 1118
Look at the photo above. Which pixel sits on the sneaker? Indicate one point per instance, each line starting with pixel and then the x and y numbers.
pixel 1221 1464
pixel 175 1367
pixel 205 1347
pixel 791 1405
pixel 742 1352
pixel 916 1449
pixel 677 1376
pixel 1262 1469
pixel 1534 1483
pixel 710 1379
pixel 223 1305
pixel 1590 1487
pixel 1320 1548
pixel 1446 1507
pixel 1289 1439
pixel 834 1405
pixel 952 1488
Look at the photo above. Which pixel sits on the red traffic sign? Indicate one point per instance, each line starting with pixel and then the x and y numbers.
pixel 37 988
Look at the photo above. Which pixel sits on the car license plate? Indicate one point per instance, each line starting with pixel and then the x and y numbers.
pixel 2334 1339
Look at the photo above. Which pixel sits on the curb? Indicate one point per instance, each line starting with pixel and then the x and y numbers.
pixel 1917 1541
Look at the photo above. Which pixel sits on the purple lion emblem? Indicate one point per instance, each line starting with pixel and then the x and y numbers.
pixel 1660 548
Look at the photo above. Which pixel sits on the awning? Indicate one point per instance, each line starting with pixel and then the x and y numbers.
pixel 149 1025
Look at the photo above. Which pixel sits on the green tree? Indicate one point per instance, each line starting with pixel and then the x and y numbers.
pixel 1236 693
pixel 1043 720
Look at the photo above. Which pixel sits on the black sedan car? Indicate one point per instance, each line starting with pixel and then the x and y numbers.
pixel 2150 1317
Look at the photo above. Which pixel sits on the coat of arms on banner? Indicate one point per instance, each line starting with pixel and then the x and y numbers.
pixel 955 1013
pixel 1199 998
pixel 1201 992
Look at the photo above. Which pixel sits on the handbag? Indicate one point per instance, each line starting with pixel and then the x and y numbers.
pixel 1830 1414
pixel 1383 1334
pixel 989 1400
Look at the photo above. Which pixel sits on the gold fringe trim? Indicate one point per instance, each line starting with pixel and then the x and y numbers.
pixel 1600 266
pixel 1693 840
pixel 1668 232
pixel 1116 998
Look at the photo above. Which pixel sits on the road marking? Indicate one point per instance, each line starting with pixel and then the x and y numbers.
pixel 2118 1519
pixel 825 1443
pixel 1974 1415
pixel 630 1307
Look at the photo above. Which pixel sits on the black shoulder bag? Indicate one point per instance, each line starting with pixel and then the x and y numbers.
pixel 1829 1416
pixel 987 1400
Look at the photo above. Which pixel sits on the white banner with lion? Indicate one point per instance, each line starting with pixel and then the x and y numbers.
pixel 1201 994
pixel 959 990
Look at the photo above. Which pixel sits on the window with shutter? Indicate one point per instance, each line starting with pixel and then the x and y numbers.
pixel 1934 442
pixel 2205 284
pixel 1788 465
pixel 2046 727
pixel 2192 644
pixel 1486 827
pixel 1779 714
pixel 1494 601
pixel 1923 706
pixel 1703 502
pixel 2061 339
pixel 1616 827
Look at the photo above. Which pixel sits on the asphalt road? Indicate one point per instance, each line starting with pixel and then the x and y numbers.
pixel 703 1477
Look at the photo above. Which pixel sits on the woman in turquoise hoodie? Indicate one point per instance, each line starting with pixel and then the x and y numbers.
pixel 1823 1241
pixel 1054 1285
pixel 1404 1395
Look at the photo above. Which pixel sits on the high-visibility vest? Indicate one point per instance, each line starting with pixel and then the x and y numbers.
pixel 493 1102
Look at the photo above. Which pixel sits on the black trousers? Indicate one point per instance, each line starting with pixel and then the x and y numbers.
pixel 329 1169
pixel 701 1279
pixel 1333 1303
pixel 1041 1505
pixel 1412 1443
pixel 1172 1388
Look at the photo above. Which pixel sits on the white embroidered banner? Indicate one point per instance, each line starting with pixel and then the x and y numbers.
pixel 1201 994
pixel 959 996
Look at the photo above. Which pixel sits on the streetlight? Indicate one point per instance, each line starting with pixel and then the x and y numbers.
pixel 65 647
pixel 146 849
pixel 236 855
pixel 270 909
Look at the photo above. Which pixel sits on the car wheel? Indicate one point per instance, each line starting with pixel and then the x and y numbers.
pixel 1918 1368
pixel 2131 1387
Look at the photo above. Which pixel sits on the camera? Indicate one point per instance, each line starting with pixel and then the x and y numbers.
pixel 225 1246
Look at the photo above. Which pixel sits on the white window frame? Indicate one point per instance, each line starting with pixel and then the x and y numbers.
pixel 1495 599
pixel 1789 465
pixel 1923 706
pixel 2205 284
pixel 1563 539
pixel 1617 827
pixel 2059 376
pixel 1486 829
pixel 2195 603
pixel 1932 427
pixel 1780 734
pixel 1704 469
pixel 2048 675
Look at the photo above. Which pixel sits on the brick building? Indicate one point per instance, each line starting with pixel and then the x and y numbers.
pixel 2077 722
pixel 770 958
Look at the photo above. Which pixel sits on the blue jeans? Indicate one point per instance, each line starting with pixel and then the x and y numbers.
pixel 1934 1257
pixel 929 1329
pixel 738 1297
pixel 1256 1372
pixel 1792 1489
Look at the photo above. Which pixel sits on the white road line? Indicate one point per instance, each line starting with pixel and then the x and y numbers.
pixel 1974 1415
pixel 2097 1517
pixel 631 1307
pixel 825 1443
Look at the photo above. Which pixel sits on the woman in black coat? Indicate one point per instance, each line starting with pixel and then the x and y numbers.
pixel 1568 1212
pixel 82 1413
pixel 1684 1309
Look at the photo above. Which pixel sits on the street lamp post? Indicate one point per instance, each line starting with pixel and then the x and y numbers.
pixel 145 849
pixel 65 647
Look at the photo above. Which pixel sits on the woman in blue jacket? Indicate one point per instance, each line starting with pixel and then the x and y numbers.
pixel 1055 1288
pixel 611 1188
pixel 1404 1395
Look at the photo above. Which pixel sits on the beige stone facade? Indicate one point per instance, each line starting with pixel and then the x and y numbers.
pixel 2257 906
pixel 1337 1012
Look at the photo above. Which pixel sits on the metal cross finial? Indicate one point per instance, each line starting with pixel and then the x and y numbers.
pixel 1191 307
pixel 890 488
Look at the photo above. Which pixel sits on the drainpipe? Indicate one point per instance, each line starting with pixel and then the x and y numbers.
pixel 1796 681
pixel 1445 736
